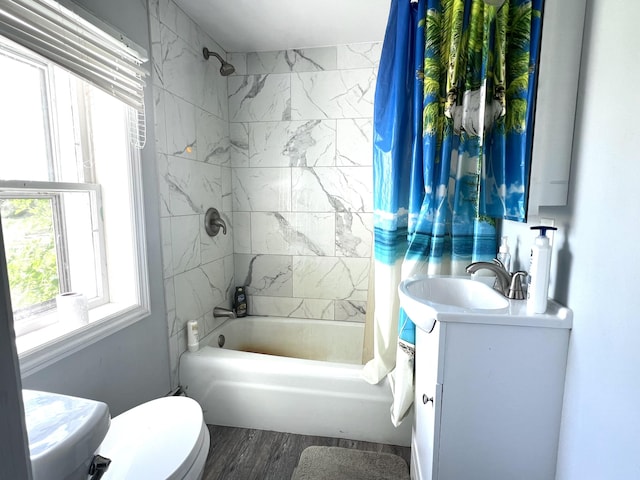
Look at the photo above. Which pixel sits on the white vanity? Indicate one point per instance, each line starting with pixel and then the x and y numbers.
pixel 489 382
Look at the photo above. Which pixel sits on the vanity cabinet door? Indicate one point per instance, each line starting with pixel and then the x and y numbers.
pixel 428 404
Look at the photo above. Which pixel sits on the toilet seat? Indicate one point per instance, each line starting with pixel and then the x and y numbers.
pixel 165 438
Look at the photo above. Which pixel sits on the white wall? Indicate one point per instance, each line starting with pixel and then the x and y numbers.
pixel 597 253
pixel 601 420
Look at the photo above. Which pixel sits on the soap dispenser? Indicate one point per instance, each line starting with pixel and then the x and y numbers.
pixel 539 269
pixel 503 254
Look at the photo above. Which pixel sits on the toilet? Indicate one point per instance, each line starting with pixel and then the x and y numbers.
pixel 162 439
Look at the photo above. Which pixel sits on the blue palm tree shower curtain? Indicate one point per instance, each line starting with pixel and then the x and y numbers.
pixel 453 117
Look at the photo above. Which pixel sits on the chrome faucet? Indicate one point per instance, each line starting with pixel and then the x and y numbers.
pixel 509 284
pixel 223 312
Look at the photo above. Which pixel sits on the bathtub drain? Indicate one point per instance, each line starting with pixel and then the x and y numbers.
pixel 221 341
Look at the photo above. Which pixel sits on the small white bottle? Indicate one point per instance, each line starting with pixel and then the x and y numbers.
pixel 538 289
pixel 193 338
pixel 503 253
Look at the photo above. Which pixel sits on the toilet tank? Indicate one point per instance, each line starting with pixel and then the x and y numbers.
pixel 64 432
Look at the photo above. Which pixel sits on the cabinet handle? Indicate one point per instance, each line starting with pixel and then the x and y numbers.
pixel 426 399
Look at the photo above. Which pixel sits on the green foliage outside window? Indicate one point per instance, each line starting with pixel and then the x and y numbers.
pixel 30 248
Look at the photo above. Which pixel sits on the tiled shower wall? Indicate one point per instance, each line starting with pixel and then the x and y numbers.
pixel 301 128
pixel 290 135
pixel 192 135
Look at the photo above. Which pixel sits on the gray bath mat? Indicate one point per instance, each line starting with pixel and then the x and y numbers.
pixel 336 463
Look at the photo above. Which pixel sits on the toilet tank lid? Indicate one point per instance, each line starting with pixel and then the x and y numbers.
pixel 64 431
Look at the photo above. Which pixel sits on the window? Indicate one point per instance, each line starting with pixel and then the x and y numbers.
pixel 70 202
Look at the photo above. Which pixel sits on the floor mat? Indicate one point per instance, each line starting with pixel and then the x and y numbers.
pixel 336 463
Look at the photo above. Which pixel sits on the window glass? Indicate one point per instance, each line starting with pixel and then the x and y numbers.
pixel 30 247
pixel 24 124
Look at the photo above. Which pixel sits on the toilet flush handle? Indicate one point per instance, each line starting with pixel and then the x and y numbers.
pixel 98 466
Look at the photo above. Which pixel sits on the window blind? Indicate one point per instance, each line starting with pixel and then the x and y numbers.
pixel 64 37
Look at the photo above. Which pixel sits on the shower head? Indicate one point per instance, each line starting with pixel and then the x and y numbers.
pixel 226 68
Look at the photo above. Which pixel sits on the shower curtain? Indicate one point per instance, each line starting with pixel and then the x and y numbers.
pixel 452 139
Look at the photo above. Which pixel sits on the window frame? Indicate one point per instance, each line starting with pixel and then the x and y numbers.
pixel 34 189
pixel 47 340
pixel 50 346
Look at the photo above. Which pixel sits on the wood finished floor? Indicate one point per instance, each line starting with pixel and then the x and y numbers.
pixel 247 454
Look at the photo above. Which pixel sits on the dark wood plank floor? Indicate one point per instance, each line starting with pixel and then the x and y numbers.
pixel 247 454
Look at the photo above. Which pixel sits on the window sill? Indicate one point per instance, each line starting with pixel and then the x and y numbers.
pixel 43 347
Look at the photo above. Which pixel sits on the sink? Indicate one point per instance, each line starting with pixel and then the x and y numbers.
pixel 426 299
pixel 457 292
pixel 460 299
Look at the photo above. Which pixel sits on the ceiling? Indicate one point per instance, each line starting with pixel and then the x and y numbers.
pixel 267 25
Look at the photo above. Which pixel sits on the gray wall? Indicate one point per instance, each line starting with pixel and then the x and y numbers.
pixel 596 254
pixel 130 366
pixel 13 441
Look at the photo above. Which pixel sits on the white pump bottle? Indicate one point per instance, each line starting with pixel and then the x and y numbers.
pixel 503 254
pixel 539 269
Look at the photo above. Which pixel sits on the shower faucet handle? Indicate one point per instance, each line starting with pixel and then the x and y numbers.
pixel 213 222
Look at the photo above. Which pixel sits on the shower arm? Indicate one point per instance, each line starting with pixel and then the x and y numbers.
pixel 206 53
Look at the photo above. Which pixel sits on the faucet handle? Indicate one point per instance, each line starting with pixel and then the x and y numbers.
pixel 515 290
pixel 499 263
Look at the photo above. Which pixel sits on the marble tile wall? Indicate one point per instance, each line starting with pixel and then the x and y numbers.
pixel 192 135
pixel 300 126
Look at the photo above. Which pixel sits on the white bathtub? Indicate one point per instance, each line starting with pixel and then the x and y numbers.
pixel 321 393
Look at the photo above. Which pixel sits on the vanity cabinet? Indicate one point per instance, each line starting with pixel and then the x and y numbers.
pixel 488 400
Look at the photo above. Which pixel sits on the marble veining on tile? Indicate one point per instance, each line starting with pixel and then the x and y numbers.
pixel 180 118
pixel 295 60
pixel 239 144
pixel 292 233
pixel 193 186
pixel 350 310
pixel 354 234
pixel 284 144
pixel 359 55
pixel 261 189
pixel 291 307
pixel 185 242
pixel 331 277
pixel 212 135
pixel 259 97
pixel 269 275
pixel 167 254
pixel 332 94
pixel 354 142
pixel 322 189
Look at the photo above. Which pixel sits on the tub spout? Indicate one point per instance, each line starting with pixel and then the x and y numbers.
pixel 223 312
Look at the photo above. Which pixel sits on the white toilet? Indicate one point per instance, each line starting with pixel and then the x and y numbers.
pixel 161 439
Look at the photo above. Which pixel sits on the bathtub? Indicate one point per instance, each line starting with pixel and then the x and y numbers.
pixel 290 375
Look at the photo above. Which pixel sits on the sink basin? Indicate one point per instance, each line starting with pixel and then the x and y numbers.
pixel 456 292
pixel 425 298
pixel 460 299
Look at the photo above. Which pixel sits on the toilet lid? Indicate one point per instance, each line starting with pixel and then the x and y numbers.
pixel 159 439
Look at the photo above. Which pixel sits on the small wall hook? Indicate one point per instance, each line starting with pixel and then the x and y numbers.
pixel 213 222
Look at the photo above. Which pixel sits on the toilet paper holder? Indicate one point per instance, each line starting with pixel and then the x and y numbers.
pixel 213 222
